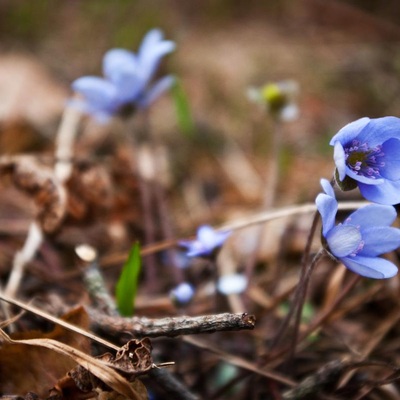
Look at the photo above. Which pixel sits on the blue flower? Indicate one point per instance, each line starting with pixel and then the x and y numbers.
pixel 126 79
pixel 208 240
pixel 364 235
pixel 182 293
pixel 368 152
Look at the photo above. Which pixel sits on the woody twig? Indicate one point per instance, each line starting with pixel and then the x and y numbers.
pixel 171 326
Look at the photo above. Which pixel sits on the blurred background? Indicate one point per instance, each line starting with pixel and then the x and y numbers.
pixel 343 54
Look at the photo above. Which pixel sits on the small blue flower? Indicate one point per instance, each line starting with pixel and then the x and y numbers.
pixel 126 79
pixel 364 235
pixel 183 293
pixel 207 241
pixel 368 152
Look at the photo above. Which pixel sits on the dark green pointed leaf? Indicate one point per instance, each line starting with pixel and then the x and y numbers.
pixel 128 282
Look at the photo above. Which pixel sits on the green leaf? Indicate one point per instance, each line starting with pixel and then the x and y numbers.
pixel 182 108
pixel 128 282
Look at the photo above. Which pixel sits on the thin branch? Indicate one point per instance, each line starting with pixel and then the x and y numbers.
pixel 171 327
pixel 239 361
pixel 171 386
pixel 242 223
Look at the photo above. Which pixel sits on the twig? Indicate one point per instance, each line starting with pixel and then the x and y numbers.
pixel 97 289
pixel 299 299
pixel 171 386
pixel 305 275
pixel 242 223
pixel 239 362
pixel 312 385
pixel 327 377
pixel 171 327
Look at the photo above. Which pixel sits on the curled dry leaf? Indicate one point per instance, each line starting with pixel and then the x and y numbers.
pixel 102 374
pixel 37 180
pixel 133 359
pixel 25 368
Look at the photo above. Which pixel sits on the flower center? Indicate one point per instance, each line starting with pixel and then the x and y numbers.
pixel 364 160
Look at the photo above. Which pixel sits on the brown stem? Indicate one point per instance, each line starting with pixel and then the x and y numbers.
pixel 305 274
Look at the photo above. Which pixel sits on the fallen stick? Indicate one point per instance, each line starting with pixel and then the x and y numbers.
pixel 170 326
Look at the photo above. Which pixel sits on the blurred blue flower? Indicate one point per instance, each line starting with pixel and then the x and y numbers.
pixel 364 235
pixel 208 240
pixel 232 284
pixel 126 79
pixel 368 152
pixel 183 293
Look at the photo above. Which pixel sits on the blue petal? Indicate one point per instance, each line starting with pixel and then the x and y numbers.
pixel 183 292
pixel 122 69
pixel 99 94
pixel 156 90
pixel 194 248
pixel 391 169
pixel 118 59
pixel 327 187
pixel 343 240
pixel 377 268
pixel 150 60
pixel 151 38
pixel 327 207
pixel 379 240
pixel 363 179
pixel 210 238
pixel 386 193
pixel 379 130
pixel 152 49
pixel 340 160
pixel 372 215
pixel 350 131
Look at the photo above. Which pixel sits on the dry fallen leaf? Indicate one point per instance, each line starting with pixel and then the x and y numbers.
pixel 25 368
pixel 46 359
pixel 133 359
pixel 38 181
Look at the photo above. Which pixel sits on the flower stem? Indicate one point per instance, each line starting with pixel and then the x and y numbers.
pixel 62 170
pixel 23 257
pixel 269 194
pixel 65 140
pixel 305 274
pixel 299 298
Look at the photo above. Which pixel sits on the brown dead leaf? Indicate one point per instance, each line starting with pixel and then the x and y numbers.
pixel 90 190
pixel 97 367
pixel 25 368
pixel 133 359
pixel 38 181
